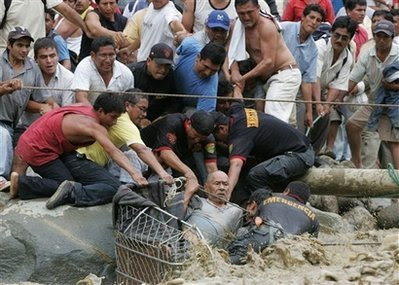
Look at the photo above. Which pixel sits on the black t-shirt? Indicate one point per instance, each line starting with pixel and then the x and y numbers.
pixel 261 135
pixel 158 105
pixel 117 26
pixel 169 133
pixel 294 217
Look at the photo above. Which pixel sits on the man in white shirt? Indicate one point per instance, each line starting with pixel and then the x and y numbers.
pixel 54 74
pixel 101 71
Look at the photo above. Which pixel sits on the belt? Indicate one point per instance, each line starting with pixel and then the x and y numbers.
pixel 289 66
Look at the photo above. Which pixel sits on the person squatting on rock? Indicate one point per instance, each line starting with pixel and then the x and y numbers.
pixel 274 217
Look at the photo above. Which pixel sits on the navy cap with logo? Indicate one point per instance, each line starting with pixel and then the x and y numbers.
pixel 202 122
pixel 386 27
pixel 162 53
pixel 18 33
pixel 218 19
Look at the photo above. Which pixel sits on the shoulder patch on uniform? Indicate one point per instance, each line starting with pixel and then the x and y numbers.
pixel 171 137
pixel 252 118
pixel 210 148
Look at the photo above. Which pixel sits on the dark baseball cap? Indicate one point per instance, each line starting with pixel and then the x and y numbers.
pixel 386 27
pixel 218 19
pixel 162 53
pixel 18 33
pixel 202 122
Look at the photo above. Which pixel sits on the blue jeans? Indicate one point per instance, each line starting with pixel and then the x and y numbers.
pixel 6 150
pixel 95 185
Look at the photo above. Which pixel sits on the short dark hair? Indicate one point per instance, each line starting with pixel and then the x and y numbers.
pixel 134 98
pixel 315 8
pixel 214 52
pixel 220 119
pixel 351 4
pixel 299 189
pixel 109 102
pixel 50 12
pixel 99 42
pixel 259 196
pixel 245 66
pixel 384 13
pixel 43 43
pixel 242 2
pixel 224 88
pixel 345 22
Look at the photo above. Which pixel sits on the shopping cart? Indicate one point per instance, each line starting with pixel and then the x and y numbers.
pixel 150 243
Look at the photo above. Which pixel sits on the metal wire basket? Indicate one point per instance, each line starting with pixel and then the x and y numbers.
pixel 149 244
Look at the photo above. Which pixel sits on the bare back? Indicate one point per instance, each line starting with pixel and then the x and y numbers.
pixel 78 128
pixel 266 46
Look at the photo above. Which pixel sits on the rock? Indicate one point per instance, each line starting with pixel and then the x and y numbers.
pixel 346 204
pixel 389 217
pixel 62 245
pixel 332 222
pixel 4 198
pixel 324 203
pixel 374 205
pixel 361 219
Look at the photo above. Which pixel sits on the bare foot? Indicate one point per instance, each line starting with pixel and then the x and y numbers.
pixel 14 184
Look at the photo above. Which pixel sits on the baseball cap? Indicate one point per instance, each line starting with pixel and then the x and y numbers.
pixel 386 27
pixel 19 32
pixel 202 122
pixel 162 53
pixel 218 19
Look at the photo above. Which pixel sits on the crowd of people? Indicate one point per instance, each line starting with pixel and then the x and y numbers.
pixel 87 100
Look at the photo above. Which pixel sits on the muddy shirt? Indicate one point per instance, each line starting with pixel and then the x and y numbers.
pixel 263 136
pixel 215 222
pixel 294 217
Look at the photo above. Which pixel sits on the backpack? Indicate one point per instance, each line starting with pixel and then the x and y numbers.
pixel 322 32
pixel 7 4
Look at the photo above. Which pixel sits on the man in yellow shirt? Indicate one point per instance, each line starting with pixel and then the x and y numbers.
pixel 126 133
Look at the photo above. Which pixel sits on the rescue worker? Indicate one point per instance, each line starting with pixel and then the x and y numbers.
pixel 274 217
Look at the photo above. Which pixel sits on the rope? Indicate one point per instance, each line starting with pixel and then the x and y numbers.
pixel 209 97
pixel 393 173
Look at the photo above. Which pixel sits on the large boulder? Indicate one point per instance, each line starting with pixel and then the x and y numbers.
pixel 361 219
pixel 389 217
pixel 62 245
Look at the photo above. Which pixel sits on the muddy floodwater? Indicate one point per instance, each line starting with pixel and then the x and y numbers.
pixel 370 257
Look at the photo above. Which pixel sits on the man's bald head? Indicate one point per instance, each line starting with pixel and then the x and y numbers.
pixel 217 185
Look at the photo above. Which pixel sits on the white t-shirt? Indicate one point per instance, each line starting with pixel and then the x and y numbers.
pixel 87 77
pixel 156 29
pixel 25 13
pixel 202 10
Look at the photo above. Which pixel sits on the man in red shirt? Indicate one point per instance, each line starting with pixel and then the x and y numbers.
pixel 356 10
pixel 293 10
pixel 49 145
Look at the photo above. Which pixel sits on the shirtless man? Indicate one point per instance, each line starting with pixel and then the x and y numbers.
pixel 49 145
pixel 275 64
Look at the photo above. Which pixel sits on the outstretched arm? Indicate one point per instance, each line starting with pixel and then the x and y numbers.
pixel 99 133
pixel 72 16
pixel 188 15
pixel 148 157
pixel 234 173
pixel 172 160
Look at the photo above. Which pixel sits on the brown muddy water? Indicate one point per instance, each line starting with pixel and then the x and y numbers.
pixel 370 257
